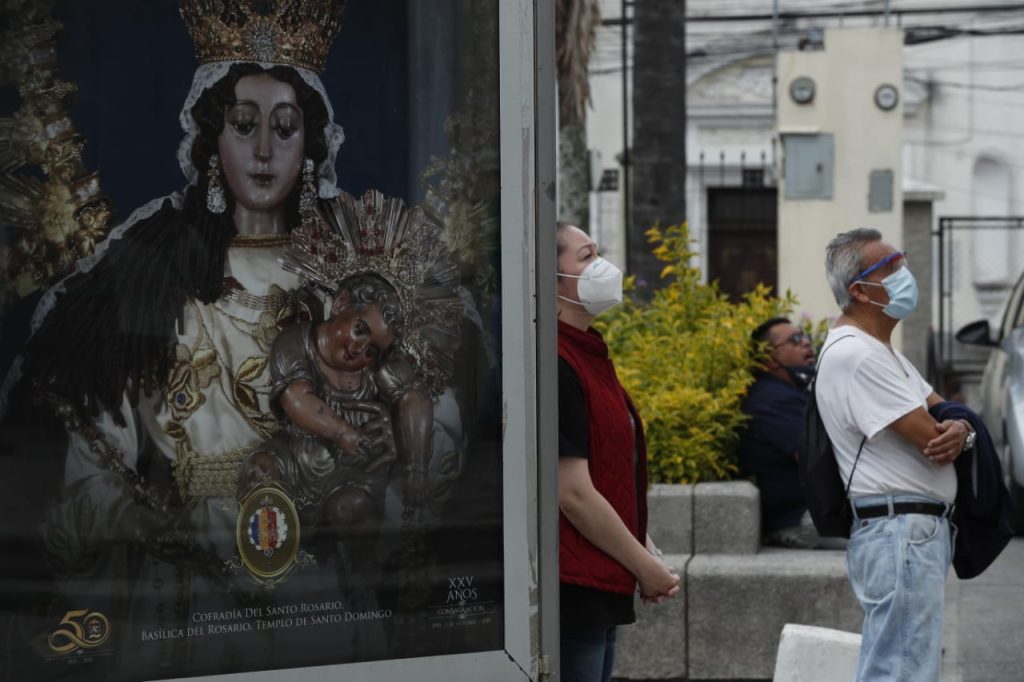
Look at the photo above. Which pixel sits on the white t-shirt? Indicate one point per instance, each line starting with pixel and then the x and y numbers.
pixel 863 386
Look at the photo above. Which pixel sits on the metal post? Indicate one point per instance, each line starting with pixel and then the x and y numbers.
pixel 775 70
pixel 774 51
pixel 943 284
pixel 626 152
pixel 775 26
pixel 547 352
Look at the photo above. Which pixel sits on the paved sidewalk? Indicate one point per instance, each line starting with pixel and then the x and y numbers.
pixel 984 629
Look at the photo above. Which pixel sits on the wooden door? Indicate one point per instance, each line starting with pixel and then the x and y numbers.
pixel 742 238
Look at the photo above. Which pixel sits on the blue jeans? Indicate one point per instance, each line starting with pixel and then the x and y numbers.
pixel 587 655
pixel 897 567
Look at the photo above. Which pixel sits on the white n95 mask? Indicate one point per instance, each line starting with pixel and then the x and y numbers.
pixel 599 286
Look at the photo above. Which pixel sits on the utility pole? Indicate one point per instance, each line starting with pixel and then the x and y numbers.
pixel 627 151
pixel 775 25
pixel 775 51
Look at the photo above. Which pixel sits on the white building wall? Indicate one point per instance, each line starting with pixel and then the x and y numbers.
pixel 853 64
pixel 969 140
pixel 729 129
pixel 605 133
pixel 962 102
pixel 604 137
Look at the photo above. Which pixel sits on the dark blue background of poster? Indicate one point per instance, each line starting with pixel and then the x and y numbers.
pixel 133 64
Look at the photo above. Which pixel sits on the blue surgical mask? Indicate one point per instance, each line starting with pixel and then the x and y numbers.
pixel 902 289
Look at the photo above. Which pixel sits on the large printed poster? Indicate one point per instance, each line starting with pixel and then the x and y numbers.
pixel 250 335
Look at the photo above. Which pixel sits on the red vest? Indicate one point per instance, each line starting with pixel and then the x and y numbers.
pixel 612 469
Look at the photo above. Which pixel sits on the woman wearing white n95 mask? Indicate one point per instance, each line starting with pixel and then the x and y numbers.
pixel 605 553
pixel 598 286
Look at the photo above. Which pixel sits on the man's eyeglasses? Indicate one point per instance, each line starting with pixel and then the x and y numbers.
pixel 795 340
pixel 885 261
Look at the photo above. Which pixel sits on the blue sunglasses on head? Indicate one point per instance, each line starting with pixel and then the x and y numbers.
pixel 885 261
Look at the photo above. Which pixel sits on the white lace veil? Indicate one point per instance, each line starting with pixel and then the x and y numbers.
pixel 205 77
pixel 209 74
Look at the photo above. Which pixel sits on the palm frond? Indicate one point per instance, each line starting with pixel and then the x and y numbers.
pixel 576 24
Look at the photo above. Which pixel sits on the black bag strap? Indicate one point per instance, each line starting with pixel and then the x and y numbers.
pixel 814 397
pixel 856 459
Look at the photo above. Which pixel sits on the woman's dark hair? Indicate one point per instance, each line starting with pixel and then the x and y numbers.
pixel 208 113
pixel 560 229
pixel 113 329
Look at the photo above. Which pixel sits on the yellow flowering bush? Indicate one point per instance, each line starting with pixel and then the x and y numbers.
pixel 816 329
pixel 686 359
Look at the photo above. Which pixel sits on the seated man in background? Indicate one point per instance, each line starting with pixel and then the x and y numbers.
pixel 768 445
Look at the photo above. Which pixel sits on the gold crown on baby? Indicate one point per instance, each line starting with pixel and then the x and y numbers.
pixel 293 32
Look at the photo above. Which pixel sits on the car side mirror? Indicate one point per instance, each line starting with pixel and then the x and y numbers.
pixel 975 334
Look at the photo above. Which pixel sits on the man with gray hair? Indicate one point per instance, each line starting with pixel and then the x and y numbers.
pixel 894 459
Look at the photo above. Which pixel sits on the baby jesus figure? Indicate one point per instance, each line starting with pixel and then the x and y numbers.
pixel 353 408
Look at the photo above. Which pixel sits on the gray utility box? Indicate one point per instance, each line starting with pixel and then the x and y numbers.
pixel 809 162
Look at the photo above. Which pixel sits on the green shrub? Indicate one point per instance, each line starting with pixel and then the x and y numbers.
pixel 816 329
pixel 686 360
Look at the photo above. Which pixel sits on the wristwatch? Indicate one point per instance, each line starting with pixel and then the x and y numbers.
pixel 972 436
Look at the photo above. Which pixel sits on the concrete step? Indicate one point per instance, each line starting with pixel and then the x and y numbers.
pixel 815 654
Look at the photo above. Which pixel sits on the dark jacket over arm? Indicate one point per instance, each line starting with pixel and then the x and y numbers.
pixel 983 507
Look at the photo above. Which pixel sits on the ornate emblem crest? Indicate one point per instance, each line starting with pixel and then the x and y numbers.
pixel 267 535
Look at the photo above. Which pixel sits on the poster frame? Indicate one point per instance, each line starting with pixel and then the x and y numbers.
pixel 528 143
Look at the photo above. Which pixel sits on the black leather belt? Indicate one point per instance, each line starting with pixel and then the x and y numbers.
pixel 904 508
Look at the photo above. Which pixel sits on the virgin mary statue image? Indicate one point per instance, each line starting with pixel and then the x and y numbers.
pixel 154 351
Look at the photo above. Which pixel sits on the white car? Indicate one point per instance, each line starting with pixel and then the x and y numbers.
pixel 1002 389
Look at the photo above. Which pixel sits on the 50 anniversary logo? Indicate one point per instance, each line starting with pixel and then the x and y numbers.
pixel 84 630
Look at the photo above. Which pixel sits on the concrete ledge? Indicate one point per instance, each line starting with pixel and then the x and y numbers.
pixel 654 648
pixel 734 600
pixel 743 603
pixel 670 517
pixel 726 518
pixel 725 624
pixel 813 654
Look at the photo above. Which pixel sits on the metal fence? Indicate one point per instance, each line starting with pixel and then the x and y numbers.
pixel 979 259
